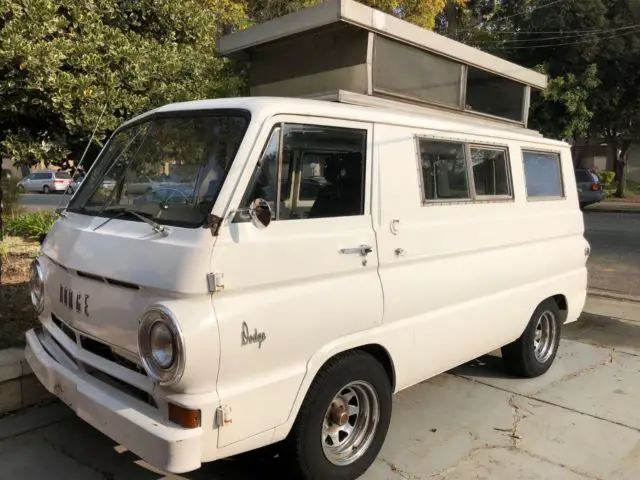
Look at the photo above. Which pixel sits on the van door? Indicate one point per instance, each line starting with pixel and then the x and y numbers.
pixel 306 280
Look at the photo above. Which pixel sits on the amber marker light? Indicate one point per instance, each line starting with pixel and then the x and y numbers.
pixel 184 417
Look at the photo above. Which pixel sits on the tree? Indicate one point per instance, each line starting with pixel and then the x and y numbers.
pixel 422 13
pixel 63 63
pixel 591 51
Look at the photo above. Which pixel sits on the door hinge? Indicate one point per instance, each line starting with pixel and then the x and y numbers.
pixel 223 416
pixel 214 282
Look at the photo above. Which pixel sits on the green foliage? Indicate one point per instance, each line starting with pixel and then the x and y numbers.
pixel 606 177
pixel 29 225
pixel 561 111
pixel 63 63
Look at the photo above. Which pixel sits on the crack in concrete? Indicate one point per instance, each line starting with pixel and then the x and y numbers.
pixel 552 404
pixel 517 418
pixel 105 475
pixel 610 359
pixel 442 474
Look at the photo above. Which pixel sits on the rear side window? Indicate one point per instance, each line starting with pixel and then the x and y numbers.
pixel 543 174
pixel 584 176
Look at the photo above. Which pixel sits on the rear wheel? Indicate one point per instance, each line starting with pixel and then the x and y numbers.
pixel 344 419
pixel 533 353
pixel 46 189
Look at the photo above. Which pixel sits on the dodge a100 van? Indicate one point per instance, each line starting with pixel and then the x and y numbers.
pixel 307 260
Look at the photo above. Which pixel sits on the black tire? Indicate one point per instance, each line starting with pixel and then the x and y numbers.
pixel 520 356
pixel 21 189
pixel 46 189
pixel 305 442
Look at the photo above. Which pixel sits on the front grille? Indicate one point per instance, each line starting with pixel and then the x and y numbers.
pixel 103 350
pixel 66 329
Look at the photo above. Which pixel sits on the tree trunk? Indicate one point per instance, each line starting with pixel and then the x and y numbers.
pixel 621 168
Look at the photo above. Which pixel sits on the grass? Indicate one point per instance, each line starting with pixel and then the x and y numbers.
pixel 16 313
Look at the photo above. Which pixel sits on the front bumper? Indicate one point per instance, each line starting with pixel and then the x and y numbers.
pixel 143 432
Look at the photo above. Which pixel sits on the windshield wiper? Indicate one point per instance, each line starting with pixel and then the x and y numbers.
pixel 121 210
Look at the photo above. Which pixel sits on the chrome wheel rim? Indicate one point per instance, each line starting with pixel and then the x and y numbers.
pixel 544 338
pixel 350 423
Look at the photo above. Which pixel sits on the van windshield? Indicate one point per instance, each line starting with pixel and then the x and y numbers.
pixel 168 168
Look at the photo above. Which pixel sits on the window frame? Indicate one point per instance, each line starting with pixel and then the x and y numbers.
pixel 544 198
pixel 473 197
pixel 508 171
pixel 282 121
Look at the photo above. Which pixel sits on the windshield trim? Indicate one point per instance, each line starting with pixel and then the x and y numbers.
pixel 148 118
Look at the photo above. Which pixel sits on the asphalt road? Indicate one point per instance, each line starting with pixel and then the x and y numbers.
pixel 614 264
pixel 38 201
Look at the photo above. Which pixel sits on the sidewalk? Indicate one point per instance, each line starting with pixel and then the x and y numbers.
pixel 614 207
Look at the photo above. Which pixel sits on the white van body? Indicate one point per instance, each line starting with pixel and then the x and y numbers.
pixel 260 311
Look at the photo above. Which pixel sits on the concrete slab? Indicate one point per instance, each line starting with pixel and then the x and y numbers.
pixel 611 392
pixel 32 458
pixel 437 422
pixel 582 444
pixel 501 463
pixel 573 359
pixel 10 364
pixel 10 396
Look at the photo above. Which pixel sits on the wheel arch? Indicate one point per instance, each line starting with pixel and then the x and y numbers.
pixel 380 353
pixel 562 303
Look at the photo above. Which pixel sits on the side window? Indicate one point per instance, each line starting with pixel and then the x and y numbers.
pixel 444 170
pixel 333 159
pixel 543 174
pixel 490 172
pixel 264 179
pixel 322 173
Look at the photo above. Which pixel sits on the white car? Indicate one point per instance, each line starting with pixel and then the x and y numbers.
pixel 45 182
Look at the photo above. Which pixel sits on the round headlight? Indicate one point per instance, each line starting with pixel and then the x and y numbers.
pixel 161 345
pixel 36 286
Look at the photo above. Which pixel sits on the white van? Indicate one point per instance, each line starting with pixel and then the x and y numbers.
pixel 315 258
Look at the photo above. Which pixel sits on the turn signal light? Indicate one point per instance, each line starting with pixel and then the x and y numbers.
pixel 185 417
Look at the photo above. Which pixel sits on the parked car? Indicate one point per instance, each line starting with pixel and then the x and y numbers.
pixel 589 187
pixel 45 182
pixel 75 184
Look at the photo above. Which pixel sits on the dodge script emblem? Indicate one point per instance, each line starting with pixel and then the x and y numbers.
pixel 74 300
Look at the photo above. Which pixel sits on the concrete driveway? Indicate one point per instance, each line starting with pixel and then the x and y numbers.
pixel 580 421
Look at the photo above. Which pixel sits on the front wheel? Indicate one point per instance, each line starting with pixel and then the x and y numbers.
pixel 344 419
pixel 533 353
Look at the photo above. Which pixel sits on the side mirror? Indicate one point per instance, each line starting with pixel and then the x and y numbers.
pixel 260 213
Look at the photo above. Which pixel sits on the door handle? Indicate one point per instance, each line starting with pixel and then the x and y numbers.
pixel 361 250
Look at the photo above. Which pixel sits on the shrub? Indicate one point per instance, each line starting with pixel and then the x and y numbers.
pixel 30 225
pixel 606 176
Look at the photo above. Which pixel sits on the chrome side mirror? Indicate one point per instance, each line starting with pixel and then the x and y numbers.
pixel 260 213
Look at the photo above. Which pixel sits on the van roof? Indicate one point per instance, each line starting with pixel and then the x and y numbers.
pixel 432 119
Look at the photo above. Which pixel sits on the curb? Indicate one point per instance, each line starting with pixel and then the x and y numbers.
pixel 613 210
pixel 19 387
pixel 607 294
